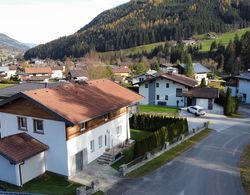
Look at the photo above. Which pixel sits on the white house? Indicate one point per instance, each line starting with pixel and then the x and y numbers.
pixel 73 125
pixel 200 71
pixel 36 74
pixel 57 72
pixel 7 71
pixel 149 74
pixel 240 86
pixel 165 89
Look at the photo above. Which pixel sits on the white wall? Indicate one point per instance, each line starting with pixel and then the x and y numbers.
pixel 145 93
pixel 8 171
pixel 33 167
pixel 171 92
pixel 54 136
pixel 57 74
pixel 244 88
pixel 202 102
pixel 81 142
pixel 200 76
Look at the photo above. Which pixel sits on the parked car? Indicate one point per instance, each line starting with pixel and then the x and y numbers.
pixel 197 110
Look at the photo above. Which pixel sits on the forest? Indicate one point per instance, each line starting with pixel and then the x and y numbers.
pixel 140 22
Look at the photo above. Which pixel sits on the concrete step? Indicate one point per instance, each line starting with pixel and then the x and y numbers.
pixel 106 158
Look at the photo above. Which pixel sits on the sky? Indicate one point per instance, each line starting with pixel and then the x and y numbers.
pixel 40 21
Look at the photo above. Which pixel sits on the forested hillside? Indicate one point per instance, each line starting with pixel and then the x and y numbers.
pixel 142 22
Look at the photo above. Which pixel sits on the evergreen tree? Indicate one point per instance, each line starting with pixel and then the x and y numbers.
pixel 228 103
pixel 189 69
pixel 203 82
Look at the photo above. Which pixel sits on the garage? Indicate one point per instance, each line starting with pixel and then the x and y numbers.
pixel 201 96
pixel 22 158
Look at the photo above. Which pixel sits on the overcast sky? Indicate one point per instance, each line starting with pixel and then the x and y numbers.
pixel 40 21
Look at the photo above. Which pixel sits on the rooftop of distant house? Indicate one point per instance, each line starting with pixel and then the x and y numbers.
pixel 198 68
pixel 121 69
pixel 38 70
pixel 202 92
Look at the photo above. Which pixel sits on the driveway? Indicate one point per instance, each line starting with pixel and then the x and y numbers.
pixel 211 167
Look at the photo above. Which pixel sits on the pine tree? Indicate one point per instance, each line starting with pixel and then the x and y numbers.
pixel 228 103
pixel 203 82
pixel 189 69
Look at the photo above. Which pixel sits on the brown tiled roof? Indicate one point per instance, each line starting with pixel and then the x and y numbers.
pixel 77 73
pixel 178 78
pixel 38 70
pixel 202 92
pixel 57 68
pixel 20 147
pixel 81 102
pixel 123 69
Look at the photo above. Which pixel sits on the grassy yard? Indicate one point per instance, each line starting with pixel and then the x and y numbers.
pixel 224 38
pixel 157 109
pixel 169 155
pixel 48 183
pixel 245 169
pixel 138 135
pixel 5 85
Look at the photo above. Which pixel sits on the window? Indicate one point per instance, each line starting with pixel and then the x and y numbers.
pixel 141 79
pixel 100 141
pixel 22 123
pixel 82 126
pixel 38 126
pixel 167 85
pixel 146 85
pixel 166 97
pixel 178 92
pixel 92 145
pixel 157 84
pixel 119 130
pixel 157 97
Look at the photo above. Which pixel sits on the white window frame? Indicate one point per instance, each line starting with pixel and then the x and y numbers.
pixel 36 130
pixel 119 130
pixel 92 146
pixel 20 127
pixel 100 141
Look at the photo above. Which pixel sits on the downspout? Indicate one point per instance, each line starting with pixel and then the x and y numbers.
pixel 20 173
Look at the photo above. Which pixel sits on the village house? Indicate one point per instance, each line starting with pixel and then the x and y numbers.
pixel 240 86
pixel 166 89
pixel 121 73
pixel 77 75
pixel 200 71
pixel 7 72
pixel 57 72
pixel 62 129
pixel 139 78
pixel 36 74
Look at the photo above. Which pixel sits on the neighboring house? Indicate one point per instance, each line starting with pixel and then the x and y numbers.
pixel 7 71
pixel 77 75
pixel 62 129
pixel 15 89
pixel 200 71
pixel 168 67
pixel 166 89
pixel 240 86
pixel 122 71
pixel 201 96
pixel 190 42
pixel 36 74
pixel 57 72
pixel 139 78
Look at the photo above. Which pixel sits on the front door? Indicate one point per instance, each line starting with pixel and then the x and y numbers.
pixel 79 161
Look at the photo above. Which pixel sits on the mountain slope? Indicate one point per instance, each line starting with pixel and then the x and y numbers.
pixel 142 22
pixel 8 42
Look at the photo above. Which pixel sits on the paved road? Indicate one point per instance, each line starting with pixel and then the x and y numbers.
pixel 209 168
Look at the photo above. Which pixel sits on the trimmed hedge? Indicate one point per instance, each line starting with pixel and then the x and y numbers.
pixel 163 128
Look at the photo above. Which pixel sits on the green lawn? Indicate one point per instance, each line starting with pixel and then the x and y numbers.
pixel 157 109
pixel 48 183
pixel 138 135
pixel 5 85
pixel 245 169
pixel 169 155
pixel 224 38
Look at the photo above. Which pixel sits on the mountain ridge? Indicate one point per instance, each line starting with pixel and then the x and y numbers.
pixel 140 22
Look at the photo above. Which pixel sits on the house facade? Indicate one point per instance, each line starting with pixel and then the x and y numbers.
pixel 240 86
pixel 36 74
pixel 166 89
pixel 77 123
pixel 142 77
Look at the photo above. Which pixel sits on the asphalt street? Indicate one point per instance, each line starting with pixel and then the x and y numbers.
pixel 209 168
